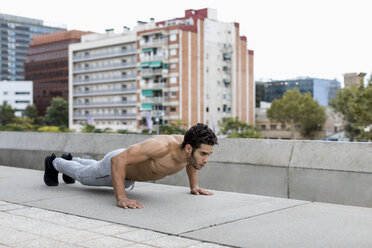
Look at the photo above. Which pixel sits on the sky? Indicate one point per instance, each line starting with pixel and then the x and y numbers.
pixel 290 38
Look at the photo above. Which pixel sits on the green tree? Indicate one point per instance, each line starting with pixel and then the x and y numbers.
pixel 31 113
pixel 355 104
pixel 298 111
pixel 87 128
pixel 174 127
pixel 234 128
pixel 6 114
pixel 57 113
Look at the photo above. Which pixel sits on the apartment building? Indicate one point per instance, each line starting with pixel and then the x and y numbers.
pixel 102 81
pixel 194 69
pixel 16 94
pixel 46 65
pixel 16 35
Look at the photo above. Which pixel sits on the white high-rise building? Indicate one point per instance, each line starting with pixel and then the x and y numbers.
pixel 17 94
pixel 102 81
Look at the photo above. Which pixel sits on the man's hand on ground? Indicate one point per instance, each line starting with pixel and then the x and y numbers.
pixel 197 191
pixel 129 203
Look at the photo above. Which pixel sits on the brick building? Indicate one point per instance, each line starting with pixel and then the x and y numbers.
pixel 46 65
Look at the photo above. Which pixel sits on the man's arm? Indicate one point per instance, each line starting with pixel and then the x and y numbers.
pixel 133 155
pixel 194 184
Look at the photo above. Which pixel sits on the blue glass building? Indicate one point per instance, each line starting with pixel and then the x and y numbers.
pixel 322 90
pixel 16 34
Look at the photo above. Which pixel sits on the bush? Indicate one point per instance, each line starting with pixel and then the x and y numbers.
pixel 50 129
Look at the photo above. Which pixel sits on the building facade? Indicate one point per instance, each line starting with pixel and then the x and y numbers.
pixel 102 81
pixel 322 90
pixel 356 79
pixel 16 94
pixel 46 65
pixel 194 69
pixel 16 35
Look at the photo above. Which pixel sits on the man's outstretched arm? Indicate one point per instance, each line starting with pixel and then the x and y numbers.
pixel 135 154
pixel 194 182
pixel 118 171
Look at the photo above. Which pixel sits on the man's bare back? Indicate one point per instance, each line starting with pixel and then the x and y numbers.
pixel 165 158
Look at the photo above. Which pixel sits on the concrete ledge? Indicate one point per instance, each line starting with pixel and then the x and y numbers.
pixel 339 156
pixel 332 172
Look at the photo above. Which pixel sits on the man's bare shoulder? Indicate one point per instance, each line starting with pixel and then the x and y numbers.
pixel 168 139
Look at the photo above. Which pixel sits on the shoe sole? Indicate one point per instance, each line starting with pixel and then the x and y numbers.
pixel 67 179
pixel 47 180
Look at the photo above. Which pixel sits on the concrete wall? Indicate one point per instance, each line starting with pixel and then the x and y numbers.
pixel 333 172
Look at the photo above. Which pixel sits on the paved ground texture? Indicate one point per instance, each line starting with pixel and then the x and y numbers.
pixel 34 215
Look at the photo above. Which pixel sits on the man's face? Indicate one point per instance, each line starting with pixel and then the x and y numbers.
pixel 200 156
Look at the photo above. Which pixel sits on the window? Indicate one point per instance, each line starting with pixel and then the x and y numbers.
pixel 173 80
pixel 207 109
pixel 263 127
pixel 21 93
pixel 283 127
pixel 22 101
pixel 224 107
pixel 173 52
pixel 173 66
pixel 273 127
pixel 173 94
pixel 5 93
pixel 173 109
pixel 173 37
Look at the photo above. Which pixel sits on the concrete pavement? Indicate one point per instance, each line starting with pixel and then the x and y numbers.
pixel 34 215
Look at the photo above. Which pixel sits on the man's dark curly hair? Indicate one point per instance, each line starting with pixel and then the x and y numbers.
pixel 199 134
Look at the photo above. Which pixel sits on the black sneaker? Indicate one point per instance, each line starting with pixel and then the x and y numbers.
pixel 67 179
pixel 50 174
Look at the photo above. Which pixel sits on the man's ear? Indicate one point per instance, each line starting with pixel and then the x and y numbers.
pixel 188 148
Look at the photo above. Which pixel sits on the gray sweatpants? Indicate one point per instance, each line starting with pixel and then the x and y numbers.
pixel 89 171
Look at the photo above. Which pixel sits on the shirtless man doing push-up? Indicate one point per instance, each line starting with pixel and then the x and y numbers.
pixel 153 159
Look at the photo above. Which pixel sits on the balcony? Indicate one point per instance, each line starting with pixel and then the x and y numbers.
pixel 153 113
pixel 154 86
pixel 104 116
pixel 104 104
pixel 154 57
pixel 148 71
pixel 154 43
pixel 104 80
pixel 104 68
pixel 154 99
pixel 104 92
pixel 226 79
pixel 104 55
